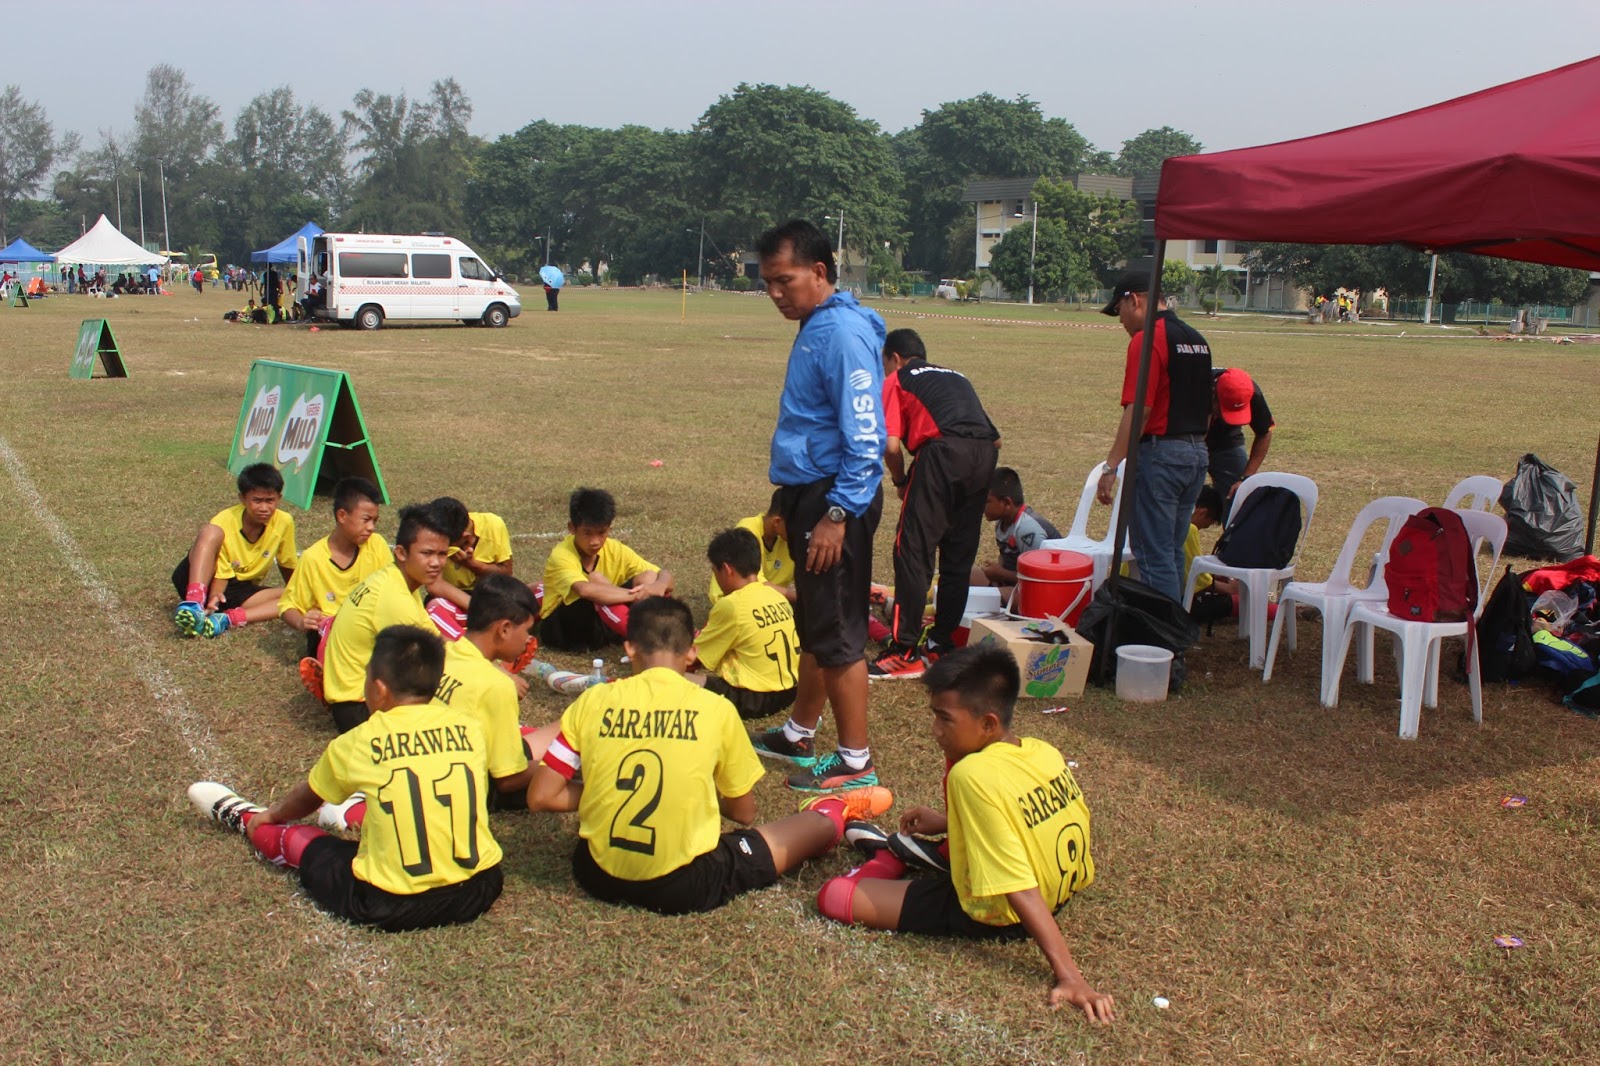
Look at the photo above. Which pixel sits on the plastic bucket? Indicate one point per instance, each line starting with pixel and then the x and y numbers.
pixel 1053 584
pixel 1143 671
pixel 980 600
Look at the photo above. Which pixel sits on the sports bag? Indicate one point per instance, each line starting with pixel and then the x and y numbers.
pixel 1430 571
pixel 1505 632
pixel 1543 520
pixel 1144 616
pixel 1262 535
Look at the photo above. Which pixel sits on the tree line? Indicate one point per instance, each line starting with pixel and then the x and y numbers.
pixel 643 201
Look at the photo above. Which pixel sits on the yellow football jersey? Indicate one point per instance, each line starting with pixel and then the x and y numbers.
pixel 619 564
pixel 750 641
pixel 422 767
pixel 246 560
pixel 494 546
pixel 777 568
pixel 1017 821
pixel 380 601
pixel 318 582
pixel 476 687
pixel 656 751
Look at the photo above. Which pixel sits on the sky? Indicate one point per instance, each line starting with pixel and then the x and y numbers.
pixel 1230 72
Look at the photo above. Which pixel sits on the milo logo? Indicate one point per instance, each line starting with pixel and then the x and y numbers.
pixel 300 430
pixel 258 423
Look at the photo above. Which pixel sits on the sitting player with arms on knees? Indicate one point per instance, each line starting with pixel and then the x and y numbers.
pixel 499 624
pixel 749 640
pixel 1017 529
pixel 331 568
pixel 392 596
pixel 777 566
pixel 426 857
pixel 1018 833
pixel 219 581
pixel 590 580
pixel 663 761
pixel 480 544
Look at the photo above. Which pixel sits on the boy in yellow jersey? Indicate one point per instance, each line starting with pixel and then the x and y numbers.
pixel 392 596
pixel 336 564
pixel 663 761
pixel 219 581
pixel 777 566
pixel 749 640
pixel 590 580
pixel 426 856
pixel 1018 833
pixel 480 544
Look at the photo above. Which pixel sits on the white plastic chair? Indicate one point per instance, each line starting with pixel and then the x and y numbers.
pixel 1421 642
pixel 1480 492
pixel 1257 584
pixel 1078 539
pixel 1334 597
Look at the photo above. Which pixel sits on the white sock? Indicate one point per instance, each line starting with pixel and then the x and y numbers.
pixel 794 732
pixel 856 758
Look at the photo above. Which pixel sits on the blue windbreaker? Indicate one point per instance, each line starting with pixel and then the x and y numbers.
pixel 830 417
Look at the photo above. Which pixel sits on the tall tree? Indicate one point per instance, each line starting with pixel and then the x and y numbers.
pixel 1056 266
pixel 27 148
pixel 413 159
pixel 765 153
pixel 1104 230
pixel 516 197
pixel 174 125
pixel 1144 154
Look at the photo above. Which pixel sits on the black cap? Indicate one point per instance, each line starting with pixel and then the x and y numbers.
pixel 1131 281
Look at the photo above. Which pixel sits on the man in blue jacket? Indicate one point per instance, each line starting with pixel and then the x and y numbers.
pixel 827 460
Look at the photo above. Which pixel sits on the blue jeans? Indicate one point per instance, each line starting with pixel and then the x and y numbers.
pixel 1170 475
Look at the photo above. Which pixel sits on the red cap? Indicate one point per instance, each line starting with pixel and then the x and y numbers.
pixel 1234 389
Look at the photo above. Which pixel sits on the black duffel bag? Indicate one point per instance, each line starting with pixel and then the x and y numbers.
pixel 1144 616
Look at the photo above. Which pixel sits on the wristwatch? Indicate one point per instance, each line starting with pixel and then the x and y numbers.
pixel 837 514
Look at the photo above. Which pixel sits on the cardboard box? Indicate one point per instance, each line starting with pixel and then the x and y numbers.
pixel 1053 658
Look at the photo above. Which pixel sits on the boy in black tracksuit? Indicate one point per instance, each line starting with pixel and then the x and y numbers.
pixel 933 413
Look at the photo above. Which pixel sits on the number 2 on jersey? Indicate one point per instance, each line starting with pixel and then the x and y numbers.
pixel 457 792
pixel 640 775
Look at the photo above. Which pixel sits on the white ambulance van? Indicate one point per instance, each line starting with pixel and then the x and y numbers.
pixel 365 279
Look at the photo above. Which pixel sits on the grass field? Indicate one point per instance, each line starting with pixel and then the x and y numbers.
pixel 1302 885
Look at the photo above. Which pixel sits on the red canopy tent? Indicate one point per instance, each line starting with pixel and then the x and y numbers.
pixel 1512 171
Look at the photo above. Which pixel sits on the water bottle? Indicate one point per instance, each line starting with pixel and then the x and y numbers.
pixel 599 672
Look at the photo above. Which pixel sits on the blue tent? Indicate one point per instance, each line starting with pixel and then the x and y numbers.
pixel 285 250
pixel 20 251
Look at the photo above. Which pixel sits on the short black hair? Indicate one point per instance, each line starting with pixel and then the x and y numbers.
pixel 984 677
pixel 595 508
pixel 453 513
pixel 775 505
pixel 1006 485
pixel 1210 499
pixel 498 597
pixel 414 518
pixel 806 242
pixel 737 547
pixel 660 623
pixel 350 491
pixel 906 343
pixel 260 476
pixel 409 660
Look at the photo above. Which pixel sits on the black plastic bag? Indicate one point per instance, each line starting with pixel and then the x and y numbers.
pixel 1144 616
pixel 1542 513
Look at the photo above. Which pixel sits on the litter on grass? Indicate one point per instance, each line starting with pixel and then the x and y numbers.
pixel 1511 802
pixel 1161 1002
pixel 1054 710
pixel 1507 942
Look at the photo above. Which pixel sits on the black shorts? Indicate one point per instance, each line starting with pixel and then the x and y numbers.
pixel 830 609
pixel 233 596
pixel 349 715
pixel 741 862
pixel 326 874
pixel 576 626
pixel 748 703
pixel 932 908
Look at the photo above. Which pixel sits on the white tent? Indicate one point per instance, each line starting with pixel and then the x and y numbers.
pixel 104 245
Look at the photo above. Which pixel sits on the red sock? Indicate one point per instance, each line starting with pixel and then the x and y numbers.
pixel 356 815
pixel 235 616
pixel 835 898
pixel 885 865
pixel 195 594
pixel 268 840
pixel 832 809
pixel 295 839
pixel 615 618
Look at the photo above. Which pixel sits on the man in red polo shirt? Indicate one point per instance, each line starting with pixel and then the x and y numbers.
pixel 1172 441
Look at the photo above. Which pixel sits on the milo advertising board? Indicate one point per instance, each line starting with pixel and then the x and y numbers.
pixel 305 421
pixel 95 341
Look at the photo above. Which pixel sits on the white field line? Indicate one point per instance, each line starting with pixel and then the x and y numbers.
pixel 411 1036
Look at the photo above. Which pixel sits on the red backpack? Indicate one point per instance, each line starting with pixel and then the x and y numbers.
pixel 1430 572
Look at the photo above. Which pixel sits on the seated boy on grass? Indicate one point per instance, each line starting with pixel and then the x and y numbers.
pixel 1018 833
pixel 663 761
pixel 219 581
pixel 336 564
pixel 480 544
pixel 590 580
pixel 777 566
pixel 426 856
pixel 1017 529
pixel 392 596
pixel 749 640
